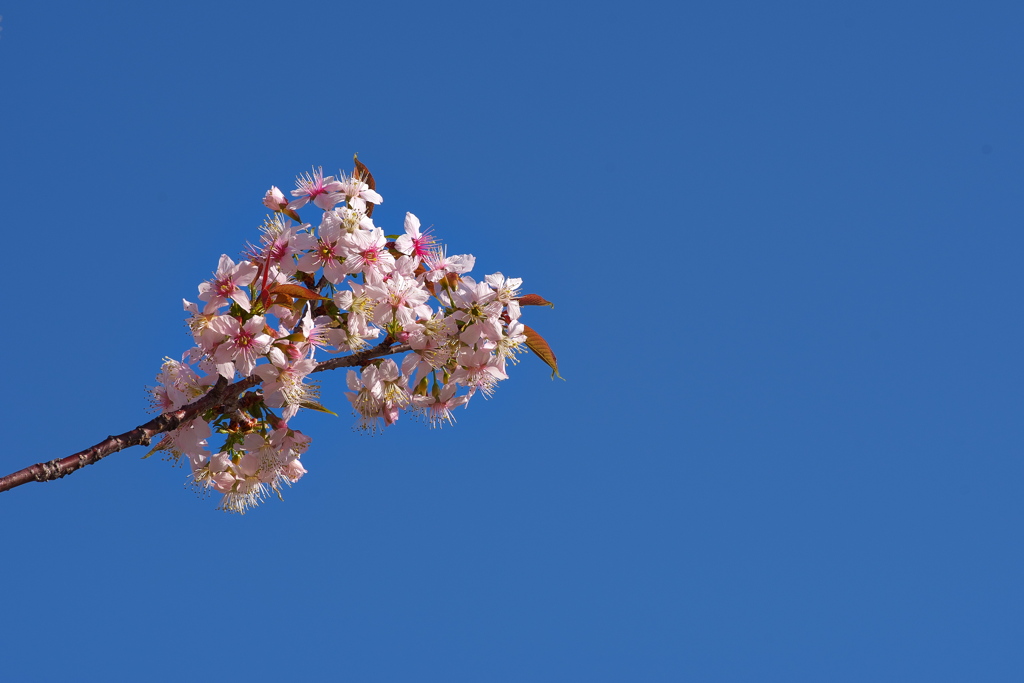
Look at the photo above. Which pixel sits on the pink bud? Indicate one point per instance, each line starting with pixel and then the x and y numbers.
pixel 274 199
pixel 294 352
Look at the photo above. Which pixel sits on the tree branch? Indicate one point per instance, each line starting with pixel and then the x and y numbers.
pixel 222 396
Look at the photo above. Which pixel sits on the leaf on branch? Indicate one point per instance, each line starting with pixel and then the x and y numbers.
pixel 364 174
pixel 291 214
pixel 297 291
pixel 313 405
pixel 539 346
pixel 534 300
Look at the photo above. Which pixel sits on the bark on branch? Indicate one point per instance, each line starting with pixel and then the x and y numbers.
pixel 223 397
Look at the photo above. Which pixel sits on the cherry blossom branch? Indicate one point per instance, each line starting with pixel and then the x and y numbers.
pixel 361 358
pixel 330 284
pixel 223 397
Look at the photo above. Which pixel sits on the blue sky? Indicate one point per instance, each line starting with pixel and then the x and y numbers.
pixel 784 244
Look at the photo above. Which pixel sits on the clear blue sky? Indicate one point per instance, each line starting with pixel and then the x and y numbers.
pixel 784 241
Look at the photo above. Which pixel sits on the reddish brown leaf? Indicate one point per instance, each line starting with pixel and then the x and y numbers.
pixel 364 174
pixel 291 214
pixel 536 343
pixel 297 291
pixel 534 300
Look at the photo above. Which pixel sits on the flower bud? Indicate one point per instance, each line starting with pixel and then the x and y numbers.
pixel 274 199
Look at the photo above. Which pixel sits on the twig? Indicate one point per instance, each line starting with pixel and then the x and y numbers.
pixel 223 396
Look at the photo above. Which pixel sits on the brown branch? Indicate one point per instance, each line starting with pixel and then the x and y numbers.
pixel 223 397
pixel 361 358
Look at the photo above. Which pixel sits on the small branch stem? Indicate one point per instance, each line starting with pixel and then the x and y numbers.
pixel 222 396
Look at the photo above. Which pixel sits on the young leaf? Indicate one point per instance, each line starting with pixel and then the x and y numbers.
pixel 313 405
pixel 364 174
pixel 297 291
pixel 534 300
pixel 536 343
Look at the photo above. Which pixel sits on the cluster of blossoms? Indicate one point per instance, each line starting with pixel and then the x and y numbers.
pixel 341 286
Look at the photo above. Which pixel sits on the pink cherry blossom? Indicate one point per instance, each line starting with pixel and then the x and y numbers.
pixel 477 308
pixel 478 369
pixel 366 396
pixel 366 252
pixel 199 323
pixel 329 254
pixel 414 242
pixel 247 492
pixel 511 343
pixel 293 471
pixel 324 192
pixel 347 220
pixel 440 264
pixel 285 386
pixel 179 384
pixel 393 389
pixel 506 290
pixel 353 188
pixel 401 298
pixel 282 242
pixel 437 407
pixel 315 331
pixel 290 441
pixel 227 284
pixel 244 343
